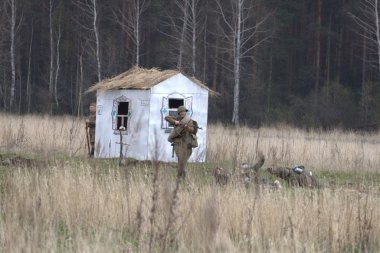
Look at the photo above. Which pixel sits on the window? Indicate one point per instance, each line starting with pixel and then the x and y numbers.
pixel 174 103
pixel 170 105
pixel 122 115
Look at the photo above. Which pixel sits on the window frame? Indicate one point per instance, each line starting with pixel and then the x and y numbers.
pixel 116 115
pixel 166 111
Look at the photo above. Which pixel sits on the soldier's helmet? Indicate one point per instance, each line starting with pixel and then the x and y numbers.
pixel 245 167
pixel 181 109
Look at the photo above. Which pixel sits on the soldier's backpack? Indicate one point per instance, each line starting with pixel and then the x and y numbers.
pixel 194 138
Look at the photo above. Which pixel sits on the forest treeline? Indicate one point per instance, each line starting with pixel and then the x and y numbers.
pixel 308 63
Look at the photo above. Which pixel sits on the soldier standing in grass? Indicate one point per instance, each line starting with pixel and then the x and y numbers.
pixel 182 137
pixel 90 128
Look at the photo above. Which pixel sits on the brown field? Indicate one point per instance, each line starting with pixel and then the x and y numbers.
pixel 59 200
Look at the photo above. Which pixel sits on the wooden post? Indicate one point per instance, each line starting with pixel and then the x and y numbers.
pixel 121 128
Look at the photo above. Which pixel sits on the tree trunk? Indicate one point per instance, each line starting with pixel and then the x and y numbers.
pixel 137 32
pixel 339 57
pixel 130 21
pixel 20 91
pixel 194 35
pixel 51 72
pixel 12 54
pixel 244 29
pixel 328 59
pixel 205 50
pixel 235 112
pixel 124 37
pixel 364 99
pixel 80 85
pixel 3 90
pixel 96 32
pixel 183 34
pixel 339 49
pixel 376 9
pixel 269 88
pixel 215 67
pixel 317 54
pixel 28 82
pixel 57 65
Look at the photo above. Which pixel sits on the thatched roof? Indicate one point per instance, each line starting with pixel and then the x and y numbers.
pixel 138 78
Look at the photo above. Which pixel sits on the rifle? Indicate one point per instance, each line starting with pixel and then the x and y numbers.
pixel 194 126
pixel 88 141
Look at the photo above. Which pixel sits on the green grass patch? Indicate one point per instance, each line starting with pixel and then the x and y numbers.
pixel 349 178
pixel 197 173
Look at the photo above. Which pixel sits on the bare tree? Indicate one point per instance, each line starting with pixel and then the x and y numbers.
pixel 368 20
pixel 90 10
pixel 51 72
pixel 185 9
pixel 328 61
pixel 186 25
pixel 28 81
pixel 14 19
pixel 205 48
pixel 191 22
pixel 80 85
pixel 366 87
pixel 3 86
pixel 12 4
pixel 54 56
pixel 131 24
pixel 57 62
pixel 240 33
pixel 317 52
pixel 177 23
pixel 195 22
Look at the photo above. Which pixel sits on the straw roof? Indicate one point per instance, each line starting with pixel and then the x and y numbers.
pixel 138 78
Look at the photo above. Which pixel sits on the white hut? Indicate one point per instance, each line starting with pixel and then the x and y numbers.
pixel 139 99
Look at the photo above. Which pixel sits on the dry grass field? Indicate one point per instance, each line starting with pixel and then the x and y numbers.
pixel 55 199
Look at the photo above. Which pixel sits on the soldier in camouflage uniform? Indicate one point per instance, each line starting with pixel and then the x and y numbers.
pixel 90 127
pixel 296 176
pixel 182 137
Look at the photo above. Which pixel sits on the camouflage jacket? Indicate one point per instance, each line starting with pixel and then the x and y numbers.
pixel 180 133
pixel 91 127
pixel 91 121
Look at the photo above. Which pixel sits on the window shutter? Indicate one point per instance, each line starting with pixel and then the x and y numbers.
pixel 189 105
pixel 164 112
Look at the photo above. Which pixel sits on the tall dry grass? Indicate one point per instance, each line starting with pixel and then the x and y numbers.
pixel 282 146
pixel 36 134
pixel 69 208
pixel 286 146
pixel 84 205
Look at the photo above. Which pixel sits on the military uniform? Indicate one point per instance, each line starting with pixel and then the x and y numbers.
pixel 90 124
pixel 294 178
pixel 181 138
